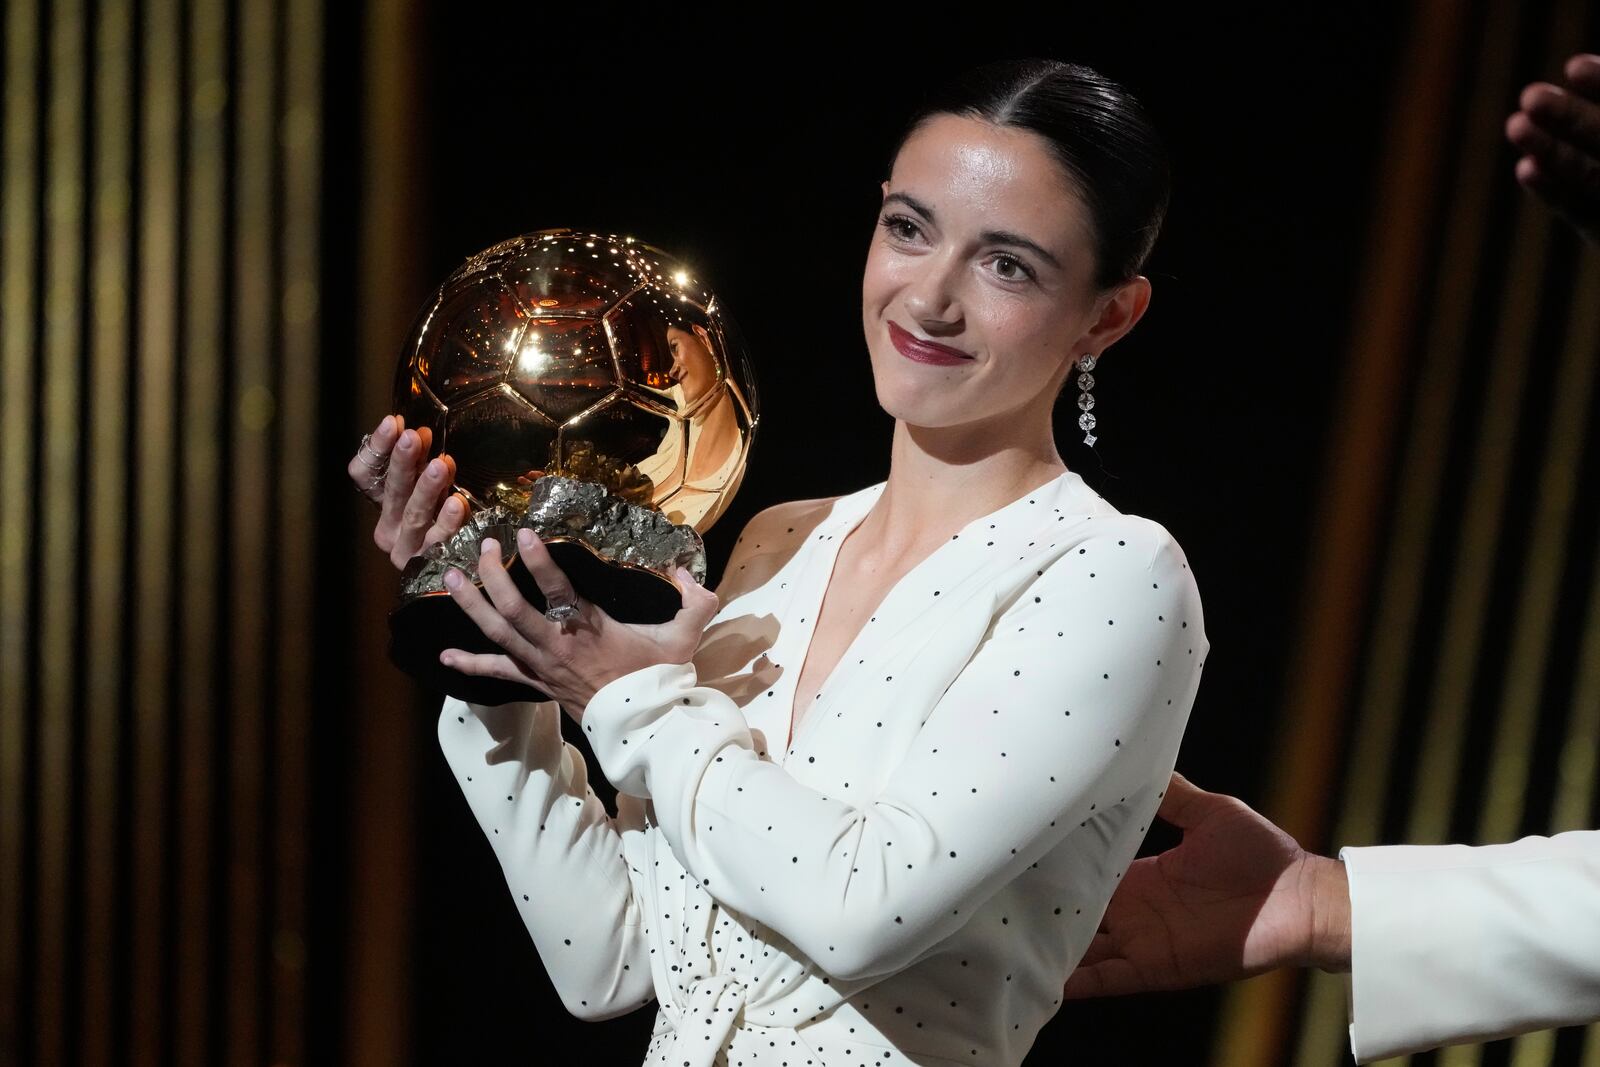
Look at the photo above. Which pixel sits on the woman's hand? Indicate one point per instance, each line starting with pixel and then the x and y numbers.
pixel 573 659
pixel 418 507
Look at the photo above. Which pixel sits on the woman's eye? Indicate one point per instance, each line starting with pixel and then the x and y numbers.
pixel 899 226
pixel 1011 268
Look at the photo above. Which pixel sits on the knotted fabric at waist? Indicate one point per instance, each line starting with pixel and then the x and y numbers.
pixel 713 1006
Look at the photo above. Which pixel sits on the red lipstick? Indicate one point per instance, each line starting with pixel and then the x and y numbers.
pixel 925 351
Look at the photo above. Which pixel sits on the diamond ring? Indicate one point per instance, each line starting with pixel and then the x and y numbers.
pixel 562 612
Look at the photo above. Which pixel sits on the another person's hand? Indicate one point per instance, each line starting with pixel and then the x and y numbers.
pixel 1557 130
pixel 573 659
pixel 391 469
pixel 1236 897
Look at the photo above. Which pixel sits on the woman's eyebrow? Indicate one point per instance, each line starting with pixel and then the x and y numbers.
pixel 915 205
pixel 997 237
pixel 1004 237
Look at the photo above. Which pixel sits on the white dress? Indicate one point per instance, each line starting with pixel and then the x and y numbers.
pixel 915 878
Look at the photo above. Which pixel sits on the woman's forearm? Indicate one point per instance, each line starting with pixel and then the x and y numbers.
pixel 560 849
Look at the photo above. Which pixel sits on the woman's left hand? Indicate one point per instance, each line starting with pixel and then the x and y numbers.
pixel 573 659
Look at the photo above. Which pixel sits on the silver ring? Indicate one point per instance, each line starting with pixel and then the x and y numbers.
pixel 376 483
pixel 382 462
pixel 562 612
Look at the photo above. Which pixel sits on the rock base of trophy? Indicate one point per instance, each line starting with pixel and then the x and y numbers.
pixel 425 626
pixel 617 555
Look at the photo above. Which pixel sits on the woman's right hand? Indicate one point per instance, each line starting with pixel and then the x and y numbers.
pixel 414 493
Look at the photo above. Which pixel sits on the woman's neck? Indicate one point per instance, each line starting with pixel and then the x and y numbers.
pixel 938 483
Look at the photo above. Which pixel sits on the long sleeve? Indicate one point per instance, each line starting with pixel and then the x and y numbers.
pixel 1065 720
pixel 560 850
pixel 1452 944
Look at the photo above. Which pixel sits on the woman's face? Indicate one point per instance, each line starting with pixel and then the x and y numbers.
pixel 693 365
pixel 982 246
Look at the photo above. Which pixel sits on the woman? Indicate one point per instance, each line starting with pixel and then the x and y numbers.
pixel 713 472
pixel 873 812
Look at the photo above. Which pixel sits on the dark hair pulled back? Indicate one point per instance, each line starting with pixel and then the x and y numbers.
pixel 1097 131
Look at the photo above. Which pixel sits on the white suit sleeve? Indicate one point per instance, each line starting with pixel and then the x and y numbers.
pixel 1451 944
pixel 560 850
pixel 1083 683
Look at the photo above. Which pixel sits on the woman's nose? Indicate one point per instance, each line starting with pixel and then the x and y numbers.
pixel 932 297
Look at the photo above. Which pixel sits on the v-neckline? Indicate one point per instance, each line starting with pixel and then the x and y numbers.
pixel 839 536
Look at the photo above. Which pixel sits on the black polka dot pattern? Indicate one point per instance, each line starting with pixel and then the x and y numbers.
pixel 999 718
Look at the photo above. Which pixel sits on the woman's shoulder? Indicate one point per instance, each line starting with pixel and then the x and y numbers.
pixel 769 540
pixel 1117 558
pixel 1133 531
pixel 814 509
pixel 788 523
pixel 1119 536
pixel 1097 518
pixel 792 519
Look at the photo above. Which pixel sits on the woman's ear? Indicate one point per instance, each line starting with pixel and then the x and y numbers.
pixel 1120 310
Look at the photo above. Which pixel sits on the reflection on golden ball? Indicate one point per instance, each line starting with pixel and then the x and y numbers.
pixel 596 357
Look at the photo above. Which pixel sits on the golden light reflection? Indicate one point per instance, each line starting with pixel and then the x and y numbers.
pixel 532 358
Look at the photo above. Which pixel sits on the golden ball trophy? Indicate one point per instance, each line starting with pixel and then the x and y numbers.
pixel 589 388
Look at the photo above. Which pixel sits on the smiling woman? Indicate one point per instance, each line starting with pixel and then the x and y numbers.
pixel 984 236
pixel 875 793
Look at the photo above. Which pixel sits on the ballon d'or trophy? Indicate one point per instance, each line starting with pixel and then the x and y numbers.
pixel 592 389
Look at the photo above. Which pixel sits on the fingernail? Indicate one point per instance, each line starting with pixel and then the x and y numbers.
pixel 384 427
pixel 447 659
pixel 406 442
pixel 452 578
pixel 435 469
pixel 489 545
pixel 525 537
pixel 452 506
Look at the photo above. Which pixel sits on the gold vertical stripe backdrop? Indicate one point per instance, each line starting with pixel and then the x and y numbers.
pixel 1413 528
pixel 247 412
pixel 160 198
pixel 58 551
pixel 389 291
pixel 1255 1025
pixel 19 237
pixel 1466 610
pixel 202 506
pixel 105 470
pixel 156 523
pixel 1519 438
pixel 299 132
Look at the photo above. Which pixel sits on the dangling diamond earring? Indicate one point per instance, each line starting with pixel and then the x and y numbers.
pixel 1085 398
